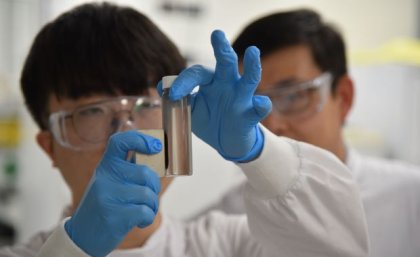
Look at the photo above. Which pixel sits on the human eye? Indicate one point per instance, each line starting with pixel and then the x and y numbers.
pixel 297 101
pixel 296 96
pixel 142 106
pixel 91 111
pixel 145 106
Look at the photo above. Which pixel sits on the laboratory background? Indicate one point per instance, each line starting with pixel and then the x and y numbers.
pixel 383 42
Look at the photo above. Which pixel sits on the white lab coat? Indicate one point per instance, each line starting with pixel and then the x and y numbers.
pixel 294 198
pixel 390 192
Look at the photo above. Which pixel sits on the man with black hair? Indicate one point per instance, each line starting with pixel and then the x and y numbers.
pixel 89 82
pixel 304 73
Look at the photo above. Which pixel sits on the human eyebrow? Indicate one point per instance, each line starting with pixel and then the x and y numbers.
pixel 286 82
pixel 283 83
pixel 90 110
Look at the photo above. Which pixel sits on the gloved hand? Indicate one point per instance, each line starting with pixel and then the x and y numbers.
pixel 225 112
pixel 120 196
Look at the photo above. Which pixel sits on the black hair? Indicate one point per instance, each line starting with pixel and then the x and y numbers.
pixel 299 27
pixel 96 48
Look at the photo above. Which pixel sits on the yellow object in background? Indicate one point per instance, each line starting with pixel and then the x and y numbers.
pixel 9 132
pixel 405 51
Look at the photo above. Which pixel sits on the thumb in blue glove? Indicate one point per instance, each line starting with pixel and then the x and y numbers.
pixel 121 195
pixel 225 111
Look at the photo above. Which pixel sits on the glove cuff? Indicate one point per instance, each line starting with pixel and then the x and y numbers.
pixel 255 151
pixel 67 228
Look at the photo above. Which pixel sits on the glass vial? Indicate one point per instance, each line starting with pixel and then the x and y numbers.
pixel 177 129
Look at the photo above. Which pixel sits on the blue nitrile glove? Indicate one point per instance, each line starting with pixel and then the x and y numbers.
pixel 121 195
pixel 225 111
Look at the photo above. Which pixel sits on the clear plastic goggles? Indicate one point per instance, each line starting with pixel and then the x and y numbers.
pixel 300 100
pixel 89 126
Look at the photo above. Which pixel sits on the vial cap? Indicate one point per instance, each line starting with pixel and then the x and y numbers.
pixel 168 80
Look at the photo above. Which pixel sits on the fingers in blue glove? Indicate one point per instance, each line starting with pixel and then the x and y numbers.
pixel 131 174
pixel 118 147
pixel 145 216
pixel 133 195
pixel 226 58
pixel 262 106
pixel 226 69
pixel 120 196
pixel 159 88
pixel 188 79
pixel 225 111
pixel 121 143
pixel 252 72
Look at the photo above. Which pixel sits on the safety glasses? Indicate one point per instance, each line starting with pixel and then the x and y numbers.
pixel 89 126
pixel 300 100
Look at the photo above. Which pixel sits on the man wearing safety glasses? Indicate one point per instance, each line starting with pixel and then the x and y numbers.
pixel 304 73
pixel 90 83
pixel 89 126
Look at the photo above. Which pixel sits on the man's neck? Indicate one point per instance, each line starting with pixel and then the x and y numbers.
pixel 341 151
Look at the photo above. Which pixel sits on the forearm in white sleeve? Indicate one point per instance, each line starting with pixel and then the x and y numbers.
pixel 59 244
pixel 302 201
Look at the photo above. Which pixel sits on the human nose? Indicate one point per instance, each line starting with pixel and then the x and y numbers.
pixel 277 123
pixel 124 121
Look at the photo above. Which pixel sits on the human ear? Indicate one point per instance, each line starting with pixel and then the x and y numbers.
pixel 45 141
pixel 344 93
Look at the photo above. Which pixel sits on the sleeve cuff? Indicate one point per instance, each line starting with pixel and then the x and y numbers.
pixel 276 169
pixel 59 244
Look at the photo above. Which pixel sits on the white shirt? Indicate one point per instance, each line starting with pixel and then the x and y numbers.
pixel 390 192
pixel 294 207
